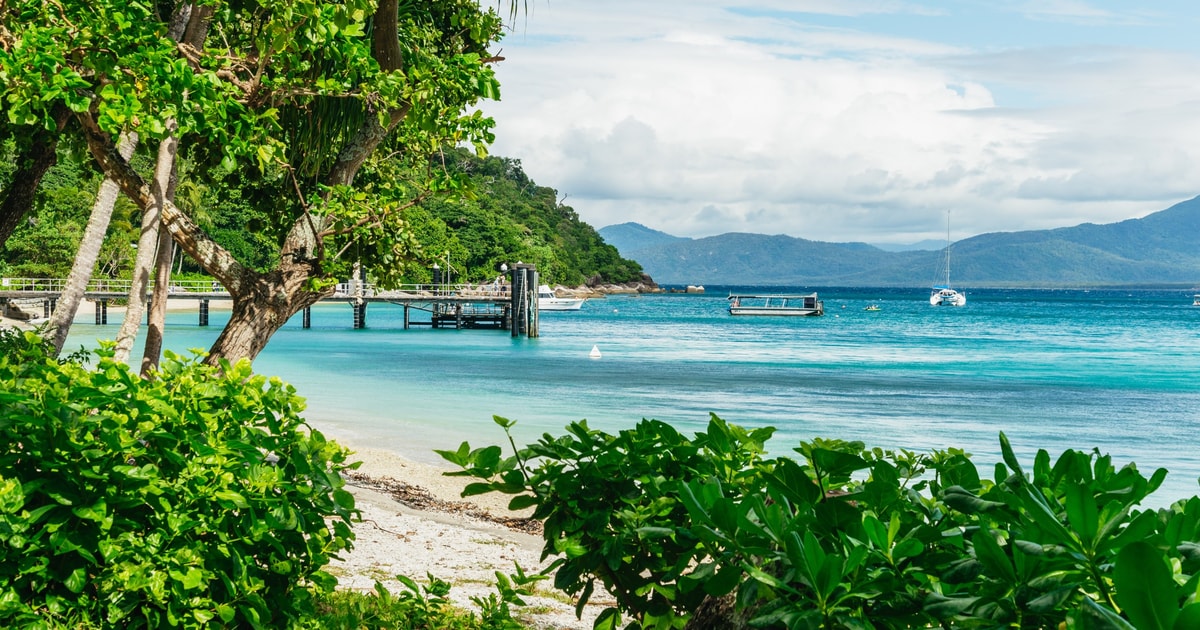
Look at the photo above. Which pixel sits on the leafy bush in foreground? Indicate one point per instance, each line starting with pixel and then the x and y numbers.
pixel 707 533
pixel 197 497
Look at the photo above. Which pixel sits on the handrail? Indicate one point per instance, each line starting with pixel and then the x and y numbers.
pixel 345 289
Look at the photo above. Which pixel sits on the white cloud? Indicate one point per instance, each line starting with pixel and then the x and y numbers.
pixel 697 120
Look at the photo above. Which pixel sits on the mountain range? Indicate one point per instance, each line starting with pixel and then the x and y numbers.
pixel 1159 249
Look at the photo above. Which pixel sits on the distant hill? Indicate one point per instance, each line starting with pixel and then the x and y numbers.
pixel 632 237
pixel 928 244
pixel 1160 248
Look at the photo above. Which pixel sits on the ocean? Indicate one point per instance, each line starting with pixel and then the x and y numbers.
pixel 1113 370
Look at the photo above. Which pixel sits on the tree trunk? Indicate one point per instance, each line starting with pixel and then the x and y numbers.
pixel 718 613
pixel 147 244
pixel 89 250
pixel 156 324
pixel 32 164
pixel 271 300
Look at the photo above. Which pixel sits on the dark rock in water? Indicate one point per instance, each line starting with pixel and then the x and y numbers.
pixel 24 310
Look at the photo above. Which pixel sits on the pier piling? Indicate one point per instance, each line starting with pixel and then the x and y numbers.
pixel 360 314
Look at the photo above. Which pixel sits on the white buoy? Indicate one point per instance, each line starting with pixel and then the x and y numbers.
pixel 595 353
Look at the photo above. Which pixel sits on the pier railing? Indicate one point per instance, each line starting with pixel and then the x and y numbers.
pixel 101 285
pixel 42 286
pixel 494 304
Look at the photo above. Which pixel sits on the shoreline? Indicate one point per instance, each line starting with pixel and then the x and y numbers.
pixel 446 536
pixel 83 314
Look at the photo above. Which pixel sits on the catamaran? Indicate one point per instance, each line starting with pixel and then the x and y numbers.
pixel 944 294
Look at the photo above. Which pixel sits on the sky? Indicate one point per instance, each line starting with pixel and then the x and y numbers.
pixel 880 121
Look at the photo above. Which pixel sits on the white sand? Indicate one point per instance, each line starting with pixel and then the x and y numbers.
pixel 465 551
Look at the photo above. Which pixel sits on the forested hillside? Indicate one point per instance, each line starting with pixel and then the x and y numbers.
pixel 506 217
pixel 496 215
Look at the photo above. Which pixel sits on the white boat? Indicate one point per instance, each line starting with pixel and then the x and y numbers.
pixel 1196 300
pixel 775 304
pixel 944 294
pixel 548 301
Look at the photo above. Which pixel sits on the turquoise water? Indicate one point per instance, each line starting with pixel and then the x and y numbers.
pixel 1117 371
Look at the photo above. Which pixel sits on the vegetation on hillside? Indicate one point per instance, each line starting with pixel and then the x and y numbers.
pixel 506 217
pixel 499 216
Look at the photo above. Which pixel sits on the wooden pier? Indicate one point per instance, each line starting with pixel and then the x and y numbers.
pixel 511 306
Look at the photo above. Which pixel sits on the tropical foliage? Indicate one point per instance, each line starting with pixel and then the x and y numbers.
pixel 845 536
pixel 506 218
pixel 191 498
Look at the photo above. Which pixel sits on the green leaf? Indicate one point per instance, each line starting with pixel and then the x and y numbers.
pixel 1189 618
pixel 77 580
pixel 727 578
pixel 1146 590
pixel 1105 618
pixel 1082 513
pixel 655 532
pixel 608 619
pixel 474 489
pixel 993 558
pixel 233 497
pixel 967 502
pixel 522 501
pixel 943 607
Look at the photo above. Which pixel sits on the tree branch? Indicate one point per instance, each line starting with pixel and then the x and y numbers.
pixel 215 260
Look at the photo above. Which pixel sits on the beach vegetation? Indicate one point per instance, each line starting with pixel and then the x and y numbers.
pixel 196 497
pixel 709 532
pixel 426 606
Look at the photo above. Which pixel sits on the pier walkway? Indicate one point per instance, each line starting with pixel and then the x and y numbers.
pixel 511 306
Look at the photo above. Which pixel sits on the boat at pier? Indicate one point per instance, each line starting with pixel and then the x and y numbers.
pixel 548 301
pixel 778 304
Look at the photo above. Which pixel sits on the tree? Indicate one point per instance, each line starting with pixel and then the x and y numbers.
pixel 38 152
pixel 317 102
pixel 87 255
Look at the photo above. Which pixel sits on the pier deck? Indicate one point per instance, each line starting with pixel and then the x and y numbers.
pixel 510 306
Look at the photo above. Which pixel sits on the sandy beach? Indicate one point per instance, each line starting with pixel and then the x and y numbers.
pixel 415 523
pixel 451 538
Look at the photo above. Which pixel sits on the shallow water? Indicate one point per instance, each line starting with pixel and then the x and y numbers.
pixel 1117 371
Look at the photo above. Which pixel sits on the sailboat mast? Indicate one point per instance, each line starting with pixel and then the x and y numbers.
pixel 947 249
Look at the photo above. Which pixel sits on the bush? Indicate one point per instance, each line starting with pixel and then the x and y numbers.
pixel 848 537
pixel 197 497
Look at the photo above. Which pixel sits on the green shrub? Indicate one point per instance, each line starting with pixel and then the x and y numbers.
pixel 199 497
pixel 424 607
pixel 848 537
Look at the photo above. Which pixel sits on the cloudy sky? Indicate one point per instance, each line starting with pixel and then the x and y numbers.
pixel 854 120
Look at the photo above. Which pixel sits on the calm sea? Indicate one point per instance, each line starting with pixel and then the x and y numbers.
pixel 1113 370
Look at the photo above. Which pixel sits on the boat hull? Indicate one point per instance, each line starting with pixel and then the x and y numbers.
pixel 548 301
pixel 775 312
pixel 560 304
pixel 776 305
pixel 947 297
